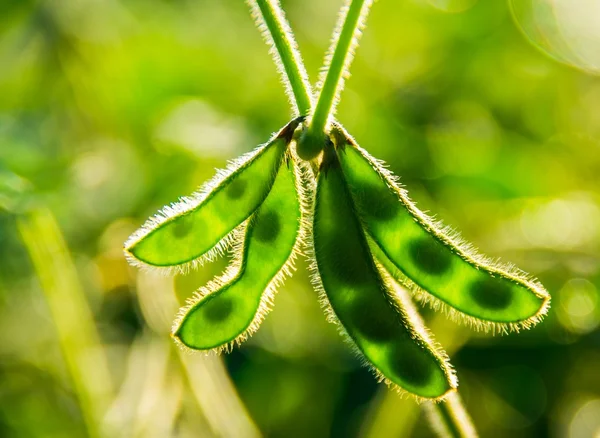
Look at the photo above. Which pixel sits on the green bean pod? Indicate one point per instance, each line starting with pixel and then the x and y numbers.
pixel 362 299
pixel 431 260
pixel 200 227
pixel 231 308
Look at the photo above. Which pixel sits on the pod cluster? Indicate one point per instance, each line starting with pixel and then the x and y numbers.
pixel 368 243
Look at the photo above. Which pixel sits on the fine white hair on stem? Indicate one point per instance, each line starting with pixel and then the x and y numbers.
pixel 235 269
pixel 277 33
pixel 349 54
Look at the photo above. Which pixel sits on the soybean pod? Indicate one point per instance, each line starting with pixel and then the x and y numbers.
pixel 232 307
pixel 199 227
pixel 361 298
pixel 433 261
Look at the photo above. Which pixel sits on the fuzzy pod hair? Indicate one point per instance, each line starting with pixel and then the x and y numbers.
pixel 229 309
pixel 201 227
pixel 370 310
pixel 432 260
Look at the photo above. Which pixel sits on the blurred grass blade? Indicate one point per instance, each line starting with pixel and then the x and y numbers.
pixel 231 308
pixel 363 301
pixel 150 397
pixel 198 228
pixel 161 394
pixel 217 397
pixel 222 411
pixel 77 335
pixel 432 260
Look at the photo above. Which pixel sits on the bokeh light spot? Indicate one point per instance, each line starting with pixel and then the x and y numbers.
pixel 578 309
pixel 566 30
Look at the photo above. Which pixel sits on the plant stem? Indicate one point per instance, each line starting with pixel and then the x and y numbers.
pixel 340 54
pixel 337 65
pixel 276 30
pixel 449 418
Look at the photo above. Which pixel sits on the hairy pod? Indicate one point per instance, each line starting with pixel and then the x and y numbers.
pixel 231 308
pixel 362 300
pixel 196 227
pixel 431 259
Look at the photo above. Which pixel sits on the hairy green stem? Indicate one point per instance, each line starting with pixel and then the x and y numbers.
pixel 338 63
pixel 279 35
pixel 336 68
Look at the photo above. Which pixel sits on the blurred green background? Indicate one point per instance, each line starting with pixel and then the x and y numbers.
pixel 110 109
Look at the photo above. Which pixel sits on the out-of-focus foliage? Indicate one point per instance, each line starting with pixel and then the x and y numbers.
pixel 111 109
